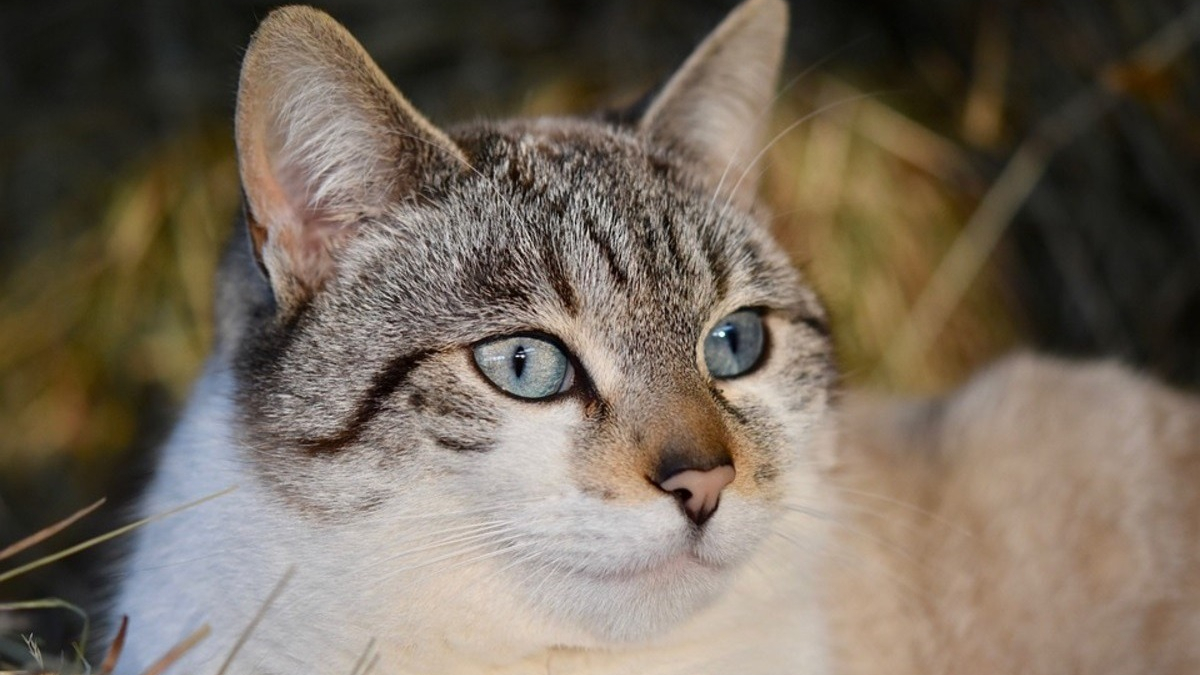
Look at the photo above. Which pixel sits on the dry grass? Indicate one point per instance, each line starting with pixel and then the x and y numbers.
pixel 100 332
pixel 91 326
pixel 25 652
pixel 868 202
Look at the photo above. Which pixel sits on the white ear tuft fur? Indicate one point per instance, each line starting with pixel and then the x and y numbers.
pixel 324 141
pixel 714 108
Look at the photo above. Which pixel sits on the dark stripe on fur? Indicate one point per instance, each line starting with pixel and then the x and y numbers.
pixel 751 253
pixel 442 405
pixel 493 274
pixel 766 473
pixel 606 251
pixel 552 263
pixel 649 243
pixel 728 407
pixel 671 234
pixel 386 382
pixel 461 445
pixel 820 326
pixel 717 265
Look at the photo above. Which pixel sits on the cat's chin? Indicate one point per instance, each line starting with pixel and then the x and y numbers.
pixel 640 601
pixel 640 604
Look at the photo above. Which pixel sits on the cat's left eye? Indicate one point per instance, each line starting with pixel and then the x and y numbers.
pixel 525 366
pixel 735 345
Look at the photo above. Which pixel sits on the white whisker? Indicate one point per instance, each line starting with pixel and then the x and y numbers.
pixel 786 130
pixel 902 504
pixel 766 111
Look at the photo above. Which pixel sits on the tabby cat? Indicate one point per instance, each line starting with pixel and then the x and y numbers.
pixel 543 396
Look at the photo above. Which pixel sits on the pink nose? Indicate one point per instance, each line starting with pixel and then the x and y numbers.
pixel 699 492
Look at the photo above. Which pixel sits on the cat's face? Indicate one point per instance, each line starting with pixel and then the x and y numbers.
pixel 502 361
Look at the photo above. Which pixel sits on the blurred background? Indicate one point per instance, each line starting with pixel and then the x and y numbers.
pixel 958 177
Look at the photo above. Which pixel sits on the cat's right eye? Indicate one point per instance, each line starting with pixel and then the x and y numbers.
pixel 525 366
pixel 735 345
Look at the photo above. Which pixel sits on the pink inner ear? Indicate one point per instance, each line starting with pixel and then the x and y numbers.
pixel 321 134
pixel 295 240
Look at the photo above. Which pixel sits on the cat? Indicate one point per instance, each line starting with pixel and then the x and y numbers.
pixel 520 396
pixel 544 396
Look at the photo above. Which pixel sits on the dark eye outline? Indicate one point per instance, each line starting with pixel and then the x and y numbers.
pixel 763 355
pixel 581 384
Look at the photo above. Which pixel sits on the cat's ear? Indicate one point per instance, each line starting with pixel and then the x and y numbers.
pixel 714 108
pixel 325 142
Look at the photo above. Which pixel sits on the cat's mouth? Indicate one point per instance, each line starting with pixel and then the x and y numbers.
pixel 670 567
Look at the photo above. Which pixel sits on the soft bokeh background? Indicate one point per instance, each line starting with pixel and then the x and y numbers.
pixel 893 181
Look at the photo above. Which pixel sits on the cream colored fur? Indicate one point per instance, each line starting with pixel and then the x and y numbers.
pixel 1041 520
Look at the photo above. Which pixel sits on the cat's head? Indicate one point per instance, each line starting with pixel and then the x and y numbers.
pixel 565 351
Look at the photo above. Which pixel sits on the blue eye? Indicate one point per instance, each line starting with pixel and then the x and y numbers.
pixel 525 366
pixel 735 345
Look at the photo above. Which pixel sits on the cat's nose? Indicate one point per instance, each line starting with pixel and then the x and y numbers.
pixel 698 491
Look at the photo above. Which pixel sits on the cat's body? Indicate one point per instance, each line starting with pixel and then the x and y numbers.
pixel 1045 518
pixel 524 397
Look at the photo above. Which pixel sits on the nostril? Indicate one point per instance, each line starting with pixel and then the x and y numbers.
pixel 682 494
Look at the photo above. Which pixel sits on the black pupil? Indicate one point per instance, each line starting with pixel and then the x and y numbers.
pixel 729 331
pixel 518 359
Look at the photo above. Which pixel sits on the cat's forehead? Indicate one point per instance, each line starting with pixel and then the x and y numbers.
pixel 524 148
pixel 550 164
pixel 585 210
pixel 581 183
